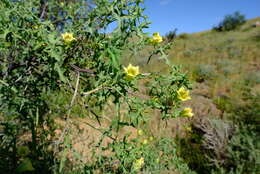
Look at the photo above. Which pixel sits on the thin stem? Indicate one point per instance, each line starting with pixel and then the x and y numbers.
pixel 74 95
pixel 118 116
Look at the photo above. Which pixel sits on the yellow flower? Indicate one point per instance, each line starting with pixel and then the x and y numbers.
pixel 68 37
pixel 151 138
pixel 131 71
pixel 138 163
pixel 140 132
pixel 156 38
pixel 183 94
pixel 145 142
pixel 187 112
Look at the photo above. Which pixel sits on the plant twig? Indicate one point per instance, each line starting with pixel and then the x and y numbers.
pixel 95 90
pixel 98 130
pixel 74 95
pixel 43 9
pixel 78 69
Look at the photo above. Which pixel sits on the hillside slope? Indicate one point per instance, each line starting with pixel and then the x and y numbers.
pixel 220 64
pixel 225 70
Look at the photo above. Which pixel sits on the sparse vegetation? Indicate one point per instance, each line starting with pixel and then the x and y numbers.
pixel 183 35
pixel 204 72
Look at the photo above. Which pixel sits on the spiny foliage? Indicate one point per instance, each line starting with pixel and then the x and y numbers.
pixel 38 61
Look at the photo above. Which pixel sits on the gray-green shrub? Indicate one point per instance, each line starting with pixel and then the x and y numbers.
pixel 204 72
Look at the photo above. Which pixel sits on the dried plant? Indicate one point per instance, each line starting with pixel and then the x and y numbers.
pixel 216 135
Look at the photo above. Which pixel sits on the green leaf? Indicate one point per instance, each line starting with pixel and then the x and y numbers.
pixel 23 151
pixel 55 55
pixel 52 39
pixel 60 72
pixel 4 83
pixel 24 166
pixel 114 59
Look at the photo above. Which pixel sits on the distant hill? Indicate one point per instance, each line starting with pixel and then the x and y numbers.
pixel 220 64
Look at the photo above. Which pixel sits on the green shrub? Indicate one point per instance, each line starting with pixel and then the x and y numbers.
pixel 190 150
pixel 230 22
pixel 256 36
pixel 218 146
pixel 226 66
pixel 248 112
pixel 252 78
pixel 243 152
pixel 224 103
pixel 204 148
pixel 44 71
pixel 158 156
pixel 204 72
pixel 244 147
pixel 187 53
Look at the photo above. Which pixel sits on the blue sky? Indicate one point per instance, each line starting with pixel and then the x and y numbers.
pixel 195 15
